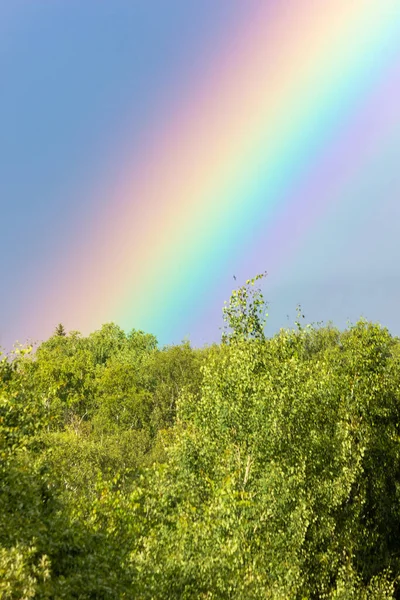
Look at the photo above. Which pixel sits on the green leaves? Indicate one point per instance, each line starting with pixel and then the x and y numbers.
pixel 257 468
pixel 245 315
pixel 306 425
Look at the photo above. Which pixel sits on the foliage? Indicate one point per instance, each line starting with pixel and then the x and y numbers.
pixel 257 468
pixel 245 315
pixel 60 330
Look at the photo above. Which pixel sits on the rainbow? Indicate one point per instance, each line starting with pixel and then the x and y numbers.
pixel 263 141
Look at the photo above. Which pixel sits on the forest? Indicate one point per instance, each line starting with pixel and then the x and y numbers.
pixel 254 468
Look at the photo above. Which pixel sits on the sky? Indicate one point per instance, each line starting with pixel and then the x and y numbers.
pixel 151 150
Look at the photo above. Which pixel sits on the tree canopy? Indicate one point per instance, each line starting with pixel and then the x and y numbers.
pixel 261 467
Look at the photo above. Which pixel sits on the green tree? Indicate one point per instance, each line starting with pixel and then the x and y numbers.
pixel 257 468
pixel 245 314
pixel 60 330
pixel 282 476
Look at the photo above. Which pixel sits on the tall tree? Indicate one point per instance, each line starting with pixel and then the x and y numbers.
pixel 60 330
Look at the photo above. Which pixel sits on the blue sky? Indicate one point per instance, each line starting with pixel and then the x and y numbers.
pixel 81 82
pixel 75 76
